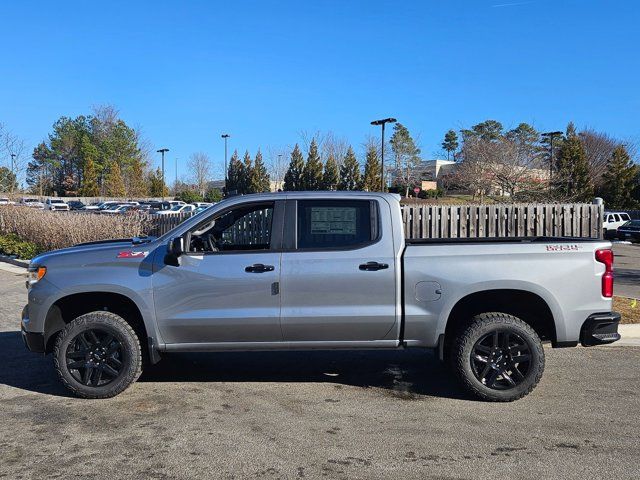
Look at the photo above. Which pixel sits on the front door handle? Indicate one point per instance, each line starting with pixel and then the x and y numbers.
pixel 373 266
pixel 259 268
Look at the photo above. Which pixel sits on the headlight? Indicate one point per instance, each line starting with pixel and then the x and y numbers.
pixel 35 273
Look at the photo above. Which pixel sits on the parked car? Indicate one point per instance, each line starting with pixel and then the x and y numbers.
pixel 158 206
pixel 32 203
pixel 108 204
pixel 317 270
pixel 56 204
pixel 613 220
pixel 6 201
pixel 202 204
pixel 92 207
pixel 118 209
pixel 630 231
pixel 184 208
pixel 76 205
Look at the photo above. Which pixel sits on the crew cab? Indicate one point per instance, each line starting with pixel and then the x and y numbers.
pixel 317 270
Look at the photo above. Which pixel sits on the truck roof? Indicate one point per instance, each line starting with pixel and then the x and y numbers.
pixel 316 194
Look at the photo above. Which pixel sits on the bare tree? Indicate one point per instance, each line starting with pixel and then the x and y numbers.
pixel 598 148
pixel 13 148
pixel 329 144
pixel 200 167
pixel 277 164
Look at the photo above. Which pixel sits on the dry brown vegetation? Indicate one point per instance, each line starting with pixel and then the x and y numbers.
pixel 53 230
pixel 629 308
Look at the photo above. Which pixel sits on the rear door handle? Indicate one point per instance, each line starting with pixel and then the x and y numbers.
pixel 259 268
pixel 373 266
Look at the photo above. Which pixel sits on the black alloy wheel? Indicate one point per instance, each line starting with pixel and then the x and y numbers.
pixel 501 359
pixel 95 357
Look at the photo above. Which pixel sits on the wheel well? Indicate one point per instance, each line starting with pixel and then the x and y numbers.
pixel 527 306
pixel 65 309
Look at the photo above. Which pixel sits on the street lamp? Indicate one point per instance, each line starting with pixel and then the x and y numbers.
pixel 13 170
pixel 382 123
pixel 551 136
pixel 225 136
pixel 162 151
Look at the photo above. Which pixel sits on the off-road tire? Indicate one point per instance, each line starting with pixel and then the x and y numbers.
pixel 130 354
pixel 478 328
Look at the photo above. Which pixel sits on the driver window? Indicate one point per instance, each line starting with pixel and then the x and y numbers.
pixel 244 228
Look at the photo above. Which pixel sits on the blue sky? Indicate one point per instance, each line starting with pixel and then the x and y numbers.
pixel 263 71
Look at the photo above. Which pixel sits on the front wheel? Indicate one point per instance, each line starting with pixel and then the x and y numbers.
pixel 98 355
pixel 498 357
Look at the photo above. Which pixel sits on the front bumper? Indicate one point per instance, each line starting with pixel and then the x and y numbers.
pixel 34 341
pixel 600 329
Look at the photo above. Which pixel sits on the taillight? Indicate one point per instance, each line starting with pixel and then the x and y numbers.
pixel 606 257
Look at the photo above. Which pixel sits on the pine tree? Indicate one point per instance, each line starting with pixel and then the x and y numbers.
pixel 450 143
pixel 312 173
pixel 157 188
pixel 619 180
pixel 293 177
pixel 372 181
pixel 89 175
pixel 114 182
pixel 245 177
pixel 331 175
pixel 137 186
pixel 235 174
pixel 571 180
pixel 349 172
pixel 260 181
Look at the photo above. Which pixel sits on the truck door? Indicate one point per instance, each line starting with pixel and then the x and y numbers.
pixel 226 287
pixel 338 271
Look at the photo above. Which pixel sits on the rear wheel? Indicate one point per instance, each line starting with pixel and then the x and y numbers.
pixel 498 357
pixel 98 355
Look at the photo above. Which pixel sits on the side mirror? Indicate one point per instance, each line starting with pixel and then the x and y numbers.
pixel 174 250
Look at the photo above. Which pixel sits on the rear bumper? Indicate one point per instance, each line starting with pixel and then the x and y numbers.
pixel 600 329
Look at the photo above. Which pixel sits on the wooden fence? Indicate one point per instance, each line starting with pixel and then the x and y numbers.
pixel 477 221
pixel 509 220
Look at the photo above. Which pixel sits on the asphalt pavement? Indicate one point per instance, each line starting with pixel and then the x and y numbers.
pixel 627 270
pixel 315 415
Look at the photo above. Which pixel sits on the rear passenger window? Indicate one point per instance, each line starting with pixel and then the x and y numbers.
pixel 335 224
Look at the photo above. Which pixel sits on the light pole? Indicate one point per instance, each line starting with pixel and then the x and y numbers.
pixel 162 151
pixel 382 123
pixel 225 136
pixel 551 136
pixel 13 170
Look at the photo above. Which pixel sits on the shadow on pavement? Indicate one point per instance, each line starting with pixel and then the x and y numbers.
pixel 405 374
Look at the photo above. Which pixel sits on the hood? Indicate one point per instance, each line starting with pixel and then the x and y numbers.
pixel 85 252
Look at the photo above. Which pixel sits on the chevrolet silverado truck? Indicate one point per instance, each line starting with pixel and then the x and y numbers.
pixel 317 270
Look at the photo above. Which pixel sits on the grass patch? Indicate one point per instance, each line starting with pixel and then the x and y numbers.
pixel 629 308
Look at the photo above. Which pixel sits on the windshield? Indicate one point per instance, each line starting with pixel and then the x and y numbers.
pixel 176 208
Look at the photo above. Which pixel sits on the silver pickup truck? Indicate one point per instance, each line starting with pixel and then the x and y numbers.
pixel 317 270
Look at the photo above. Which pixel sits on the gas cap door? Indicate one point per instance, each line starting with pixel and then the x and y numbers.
pixel 428 291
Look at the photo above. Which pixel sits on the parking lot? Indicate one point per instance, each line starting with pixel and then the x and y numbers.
pixel 312 415
pixel 627 269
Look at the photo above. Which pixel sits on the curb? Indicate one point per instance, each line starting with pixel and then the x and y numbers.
pixel 629 331
pixel 14 261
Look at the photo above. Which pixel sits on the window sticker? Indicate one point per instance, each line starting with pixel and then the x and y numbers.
pixel 333 220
